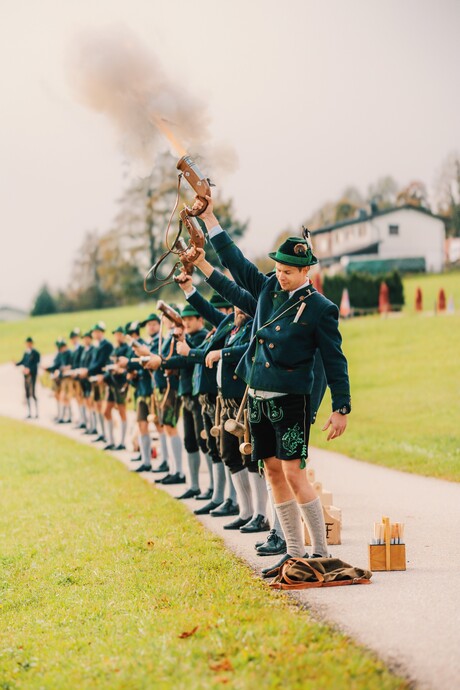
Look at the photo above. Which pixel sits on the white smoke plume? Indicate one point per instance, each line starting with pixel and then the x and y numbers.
pixel 113 74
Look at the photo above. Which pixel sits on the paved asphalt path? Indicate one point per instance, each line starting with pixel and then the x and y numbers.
pixel 410 619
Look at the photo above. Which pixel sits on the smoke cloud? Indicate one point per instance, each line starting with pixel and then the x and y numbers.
pixel 114 74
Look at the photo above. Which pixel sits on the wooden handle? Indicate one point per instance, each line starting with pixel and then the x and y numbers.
pixel 247 434
pixel 386 522
pixel 217 415
pixel 242 406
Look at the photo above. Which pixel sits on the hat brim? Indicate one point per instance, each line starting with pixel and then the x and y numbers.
pixel 190 313
pixel 297 261
pixel 156 318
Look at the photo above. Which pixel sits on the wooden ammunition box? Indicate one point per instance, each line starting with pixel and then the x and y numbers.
pixel 387 557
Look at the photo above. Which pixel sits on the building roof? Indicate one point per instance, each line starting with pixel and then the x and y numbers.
pixel 365 216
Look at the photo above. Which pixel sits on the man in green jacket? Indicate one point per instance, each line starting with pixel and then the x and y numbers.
pixel 292 320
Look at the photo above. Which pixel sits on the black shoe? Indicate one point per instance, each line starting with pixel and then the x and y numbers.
pixel 81 426
pixel 190 493
pixel 205 510
pixel 236 524
pixel 272 570
pixel 160 481
pixel 60 421
pixel 137 458
pixel 143 468
pixel 120 447
pixel 226 509
pixel 273 546
pixel 67 421
pixel 257 524
pixel 98 439
pixel 163 467
pixel 176 478
pixel 205 496
pixel 110 446
pixel 28 416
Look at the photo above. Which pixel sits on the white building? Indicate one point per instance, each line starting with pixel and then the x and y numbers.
pixel 406 237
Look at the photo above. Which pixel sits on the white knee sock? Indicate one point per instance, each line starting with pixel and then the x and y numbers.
pixel 145 446
pixel 194 469
pixel 110 438
pixel 211 478
pixel 230 487
pixel 275 521
pixel 163 447
pixel 312 513
pixel 124 426
pixel 176 447
pixel 243 493
pixel 218 474
pixel 259 493
pixel 292 526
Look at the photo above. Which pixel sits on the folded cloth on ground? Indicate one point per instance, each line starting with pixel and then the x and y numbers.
pixel 303 573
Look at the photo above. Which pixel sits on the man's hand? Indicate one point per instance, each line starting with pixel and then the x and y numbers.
pixel 213 357
pixel 26 371
pixel 141 350
pixel 184 281
pixel 198 258
pixel 183 348
pixel 337 423
pixel 178 333
pixel 83 373
pixel 208 217
pixel 100 378
pixel 154 363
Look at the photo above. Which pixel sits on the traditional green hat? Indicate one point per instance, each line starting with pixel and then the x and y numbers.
pixel 188 310
pixel 220 302
pixel 74 333
pixel 99 326
pixel 119 329
pixel 29 340
pixel 150 317
pixel 295 251
pixel 60 342
pixel 88 334
pixel 132 327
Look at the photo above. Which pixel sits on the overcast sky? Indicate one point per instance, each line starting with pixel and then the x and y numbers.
pixel 313 96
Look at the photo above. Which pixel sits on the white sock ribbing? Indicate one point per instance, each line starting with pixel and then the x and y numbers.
pixel 176 447
pixel 243 492
pixel 312 513
pixel 292 526
pixel 259 493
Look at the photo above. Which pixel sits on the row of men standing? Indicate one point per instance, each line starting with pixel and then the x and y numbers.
pixel 199 369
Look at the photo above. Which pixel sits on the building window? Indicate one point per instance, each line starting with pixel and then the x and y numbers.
pixel 393 229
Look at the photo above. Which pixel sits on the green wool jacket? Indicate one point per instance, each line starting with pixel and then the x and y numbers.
pixel 185 364
pixel 281 353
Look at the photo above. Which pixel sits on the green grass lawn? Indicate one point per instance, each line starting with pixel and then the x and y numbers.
pixel 405 378
pixel 430 285
pixel 46 329
pixel 101 574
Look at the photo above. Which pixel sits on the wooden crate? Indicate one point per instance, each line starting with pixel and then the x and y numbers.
pixel 378 557
pixel 387 556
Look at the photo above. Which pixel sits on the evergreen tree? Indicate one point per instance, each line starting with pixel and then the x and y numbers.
pixel 44 303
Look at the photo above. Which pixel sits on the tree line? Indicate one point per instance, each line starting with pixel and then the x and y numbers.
pixel 109 267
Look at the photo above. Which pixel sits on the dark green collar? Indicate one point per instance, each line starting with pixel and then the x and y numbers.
pixel 282 301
